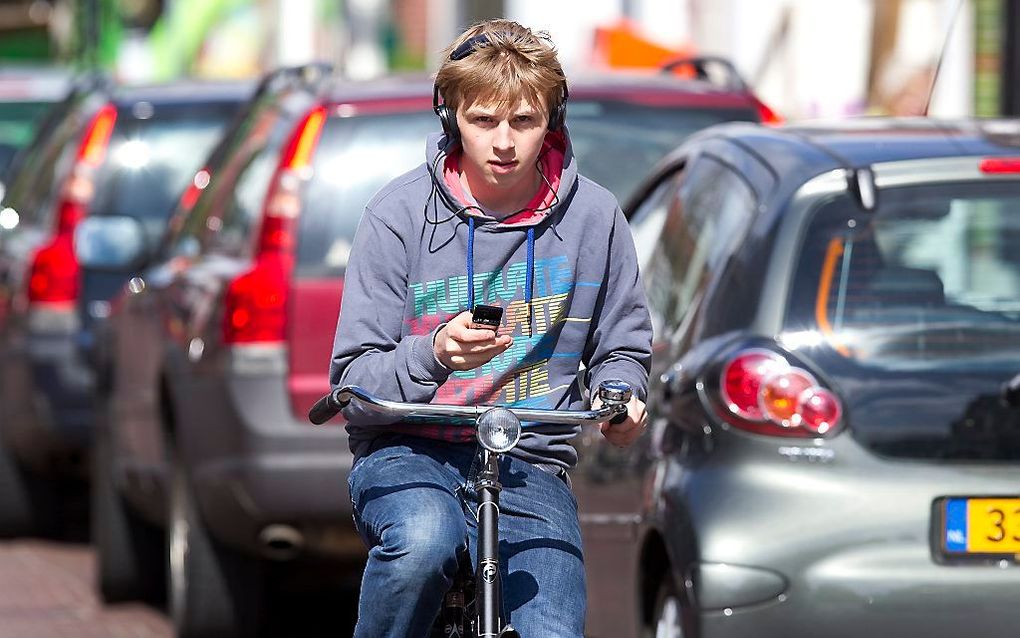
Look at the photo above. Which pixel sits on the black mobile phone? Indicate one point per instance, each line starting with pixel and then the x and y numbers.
pixel 487 317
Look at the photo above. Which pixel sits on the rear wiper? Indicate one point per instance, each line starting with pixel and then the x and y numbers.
pixel 1011 391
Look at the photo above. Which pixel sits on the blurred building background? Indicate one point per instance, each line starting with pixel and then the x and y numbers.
pixel 806 58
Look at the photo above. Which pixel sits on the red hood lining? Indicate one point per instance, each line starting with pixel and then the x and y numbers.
pixel 551 159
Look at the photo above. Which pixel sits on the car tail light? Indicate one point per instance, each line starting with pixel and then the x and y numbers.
pixel 819 410
pixel 767 115
pixel 53 275
pixel 742 378
pixel 256 302
pixel 761 392
pixel 999 165
pixel 778 395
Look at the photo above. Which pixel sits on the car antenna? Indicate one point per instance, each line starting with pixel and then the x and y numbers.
pixel 942 54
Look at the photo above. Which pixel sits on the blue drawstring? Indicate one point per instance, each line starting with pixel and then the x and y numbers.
pixel 471 263
pixel 529 276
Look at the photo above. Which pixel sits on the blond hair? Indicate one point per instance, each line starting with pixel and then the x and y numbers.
pixel 516 63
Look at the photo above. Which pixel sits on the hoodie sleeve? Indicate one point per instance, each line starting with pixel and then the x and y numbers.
pixel 621 343
pixel 368 349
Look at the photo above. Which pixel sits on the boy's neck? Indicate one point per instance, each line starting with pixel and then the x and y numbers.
pixel 502 202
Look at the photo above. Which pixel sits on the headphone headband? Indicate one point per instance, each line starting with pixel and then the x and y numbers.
pixel 557 114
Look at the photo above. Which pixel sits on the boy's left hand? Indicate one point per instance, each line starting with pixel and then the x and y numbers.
pixel 625 433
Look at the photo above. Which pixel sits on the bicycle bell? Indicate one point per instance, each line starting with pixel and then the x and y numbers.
pixel 614 391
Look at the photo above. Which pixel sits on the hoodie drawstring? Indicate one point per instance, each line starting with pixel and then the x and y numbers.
pixel 529 275
pixel 471 263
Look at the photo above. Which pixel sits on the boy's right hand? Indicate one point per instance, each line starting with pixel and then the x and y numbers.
pixel 458 346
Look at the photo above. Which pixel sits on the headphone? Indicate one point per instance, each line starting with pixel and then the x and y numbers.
pixel 448 118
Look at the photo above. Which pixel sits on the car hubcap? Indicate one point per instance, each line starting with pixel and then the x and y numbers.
pixel 668 625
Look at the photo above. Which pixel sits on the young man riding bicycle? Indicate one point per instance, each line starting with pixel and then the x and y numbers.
pixel 499 216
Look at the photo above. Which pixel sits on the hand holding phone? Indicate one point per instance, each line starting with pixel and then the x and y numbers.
pixel 486 317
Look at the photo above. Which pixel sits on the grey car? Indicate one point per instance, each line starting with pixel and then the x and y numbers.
pixel 125 152
pixel 832 449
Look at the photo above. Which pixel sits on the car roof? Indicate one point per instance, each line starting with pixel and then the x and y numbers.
pixel 186 92
pixel 632 86
pixel 860 142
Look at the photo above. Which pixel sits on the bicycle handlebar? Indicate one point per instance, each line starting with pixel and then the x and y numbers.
pixel 330 405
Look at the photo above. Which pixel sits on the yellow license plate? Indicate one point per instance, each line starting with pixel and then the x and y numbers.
pixel 982 525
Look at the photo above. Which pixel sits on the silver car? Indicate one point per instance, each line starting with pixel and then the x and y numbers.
pixel 832 452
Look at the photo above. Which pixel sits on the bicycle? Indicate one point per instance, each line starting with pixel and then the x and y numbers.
pixel 472 606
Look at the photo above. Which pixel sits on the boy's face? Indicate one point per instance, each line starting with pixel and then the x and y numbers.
pixel 501 146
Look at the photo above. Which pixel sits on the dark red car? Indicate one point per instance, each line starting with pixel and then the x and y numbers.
pixel 223 344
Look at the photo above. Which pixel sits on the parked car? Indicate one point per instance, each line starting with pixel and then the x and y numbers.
pixel 26 94
pixel 222 345
pixel 836 310
pixel 129 153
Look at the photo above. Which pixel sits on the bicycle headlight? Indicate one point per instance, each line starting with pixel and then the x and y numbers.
pixel 499 430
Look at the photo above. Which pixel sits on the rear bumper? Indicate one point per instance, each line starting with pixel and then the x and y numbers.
pixel 256 467
pixel 889 590
pixel 244 500
pixel 47 398
pixel 841 547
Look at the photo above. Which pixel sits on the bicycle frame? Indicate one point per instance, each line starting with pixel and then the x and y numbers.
pixel 488 586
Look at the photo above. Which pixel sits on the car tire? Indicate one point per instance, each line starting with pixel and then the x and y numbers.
pixel 670 614
pixel 213 591
pixel 129 550
pixel 27 504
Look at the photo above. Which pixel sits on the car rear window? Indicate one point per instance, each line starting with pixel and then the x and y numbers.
pixel 356 156
pixel 616 143
pixel 18 121
pixel 915 312
pixel 153 153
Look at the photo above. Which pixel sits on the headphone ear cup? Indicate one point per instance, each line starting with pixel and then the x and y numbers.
pixel 557 117
pixel 449 121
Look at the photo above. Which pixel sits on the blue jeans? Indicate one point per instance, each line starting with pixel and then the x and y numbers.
pixel 414 507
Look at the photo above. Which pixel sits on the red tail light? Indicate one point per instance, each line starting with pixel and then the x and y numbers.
pixel 256 302
pixel 1000 165
pixel 53 276
pixel 767 115
pixel 761 392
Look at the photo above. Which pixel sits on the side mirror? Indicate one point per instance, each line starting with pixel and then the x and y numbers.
pixel 111 242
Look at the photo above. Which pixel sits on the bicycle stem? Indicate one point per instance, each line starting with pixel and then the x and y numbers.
pixel 488 581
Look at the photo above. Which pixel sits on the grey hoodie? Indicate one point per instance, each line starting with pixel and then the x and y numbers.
pixel 415 252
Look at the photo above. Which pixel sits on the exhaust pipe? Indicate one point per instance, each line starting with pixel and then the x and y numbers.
pixel 281 542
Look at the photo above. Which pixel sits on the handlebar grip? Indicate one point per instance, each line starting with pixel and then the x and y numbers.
pixel 325 409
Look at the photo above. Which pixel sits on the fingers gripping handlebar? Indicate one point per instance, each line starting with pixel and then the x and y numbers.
pixel 614 396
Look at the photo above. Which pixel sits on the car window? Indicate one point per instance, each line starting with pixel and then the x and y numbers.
pixel 705 219
pixel 356 156
pixel 931 281
pixel 34 184
pixel 151 158
pixel 913 312
pixel 233 196
pixel 616 143
pixel 18 121
pixel 648 218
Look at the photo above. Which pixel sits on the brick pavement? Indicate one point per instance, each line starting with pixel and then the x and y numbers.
pixel 47 591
